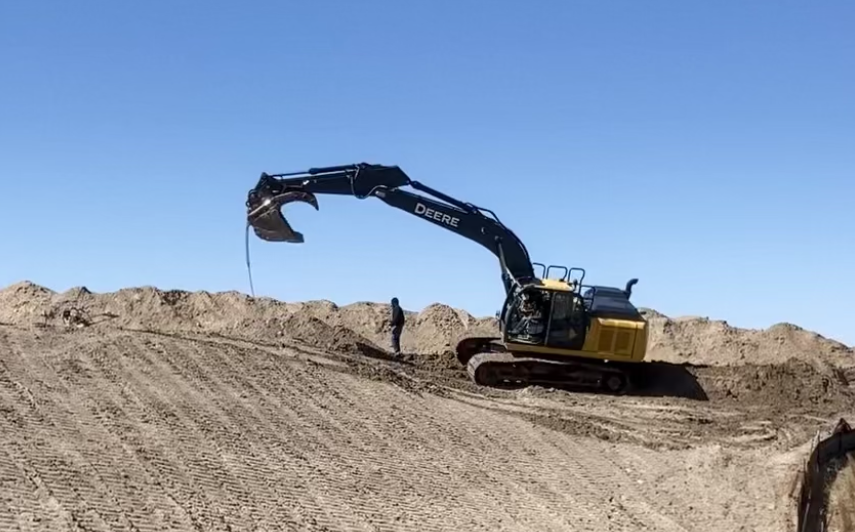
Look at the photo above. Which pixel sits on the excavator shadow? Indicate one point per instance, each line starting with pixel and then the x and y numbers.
pixel 370 351
pixel 662 379
pixel 650 379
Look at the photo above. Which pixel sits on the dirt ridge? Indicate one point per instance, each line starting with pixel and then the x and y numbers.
pixel 432 331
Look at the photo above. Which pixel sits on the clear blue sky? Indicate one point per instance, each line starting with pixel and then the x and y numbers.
pixel 707 148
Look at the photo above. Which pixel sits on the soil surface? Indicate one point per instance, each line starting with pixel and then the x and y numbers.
pixel 147 409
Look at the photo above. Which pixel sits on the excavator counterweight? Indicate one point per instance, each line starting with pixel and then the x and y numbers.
pixel 553 331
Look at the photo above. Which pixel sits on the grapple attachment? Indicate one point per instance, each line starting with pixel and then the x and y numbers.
pixel 264 210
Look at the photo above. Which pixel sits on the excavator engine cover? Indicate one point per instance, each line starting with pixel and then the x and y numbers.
pixel 264 213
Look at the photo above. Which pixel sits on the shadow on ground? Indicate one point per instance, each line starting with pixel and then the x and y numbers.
pixel 661 379
pixel 650 379
pixel 379 354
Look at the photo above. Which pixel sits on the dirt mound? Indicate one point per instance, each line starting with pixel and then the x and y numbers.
pixel 792 386
pixel 317 333
pixel 367 319
pixel 702 341
pixel 24 302
pixel 321 323
pixel 431 333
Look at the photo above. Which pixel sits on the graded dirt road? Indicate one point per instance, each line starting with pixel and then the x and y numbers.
pixel 214 412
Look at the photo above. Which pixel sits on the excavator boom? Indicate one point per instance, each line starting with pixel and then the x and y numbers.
pixel 480 225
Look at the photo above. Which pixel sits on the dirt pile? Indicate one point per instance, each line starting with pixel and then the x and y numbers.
pixel 173 311
pixel 791 386
pixel 322 323
pixel 702 341
pixel 433 332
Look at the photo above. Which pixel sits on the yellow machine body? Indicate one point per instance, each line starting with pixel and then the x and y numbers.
pixel 606 338
pixel 552 334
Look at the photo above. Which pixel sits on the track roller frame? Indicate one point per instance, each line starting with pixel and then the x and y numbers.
pixel 506 369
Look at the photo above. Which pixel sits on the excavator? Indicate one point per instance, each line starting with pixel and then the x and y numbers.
pixel 555 331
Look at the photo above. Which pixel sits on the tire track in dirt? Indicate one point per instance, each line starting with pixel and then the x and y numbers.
pixel 224 434
pixel 231 371
pixel 402 427
pixel 363 445
pixel 113 430
pixel 21 500
pixel 104 475
pixel 135 419
pixel 226 377
pixel 47 467
pixel 496 449
pixel 326 412
pixel 254 475
pixel 322 414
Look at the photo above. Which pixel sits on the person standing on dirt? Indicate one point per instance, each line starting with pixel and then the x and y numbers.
pixel 397 326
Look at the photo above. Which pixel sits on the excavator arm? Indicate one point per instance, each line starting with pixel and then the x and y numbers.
pixel 551 333
pixel 364 180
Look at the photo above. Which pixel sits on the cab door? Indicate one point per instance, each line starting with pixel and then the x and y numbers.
pixel 567 324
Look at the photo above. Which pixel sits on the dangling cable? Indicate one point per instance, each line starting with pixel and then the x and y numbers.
pixel 265 205
pixel 248 266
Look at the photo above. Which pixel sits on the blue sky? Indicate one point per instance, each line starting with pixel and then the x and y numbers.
pixel 707 148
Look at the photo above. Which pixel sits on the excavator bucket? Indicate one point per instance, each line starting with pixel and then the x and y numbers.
pixel 264 214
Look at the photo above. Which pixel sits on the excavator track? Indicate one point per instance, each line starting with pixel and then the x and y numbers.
pixel 497 369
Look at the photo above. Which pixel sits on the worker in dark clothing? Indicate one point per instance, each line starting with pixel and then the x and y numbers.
pixel 397 325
